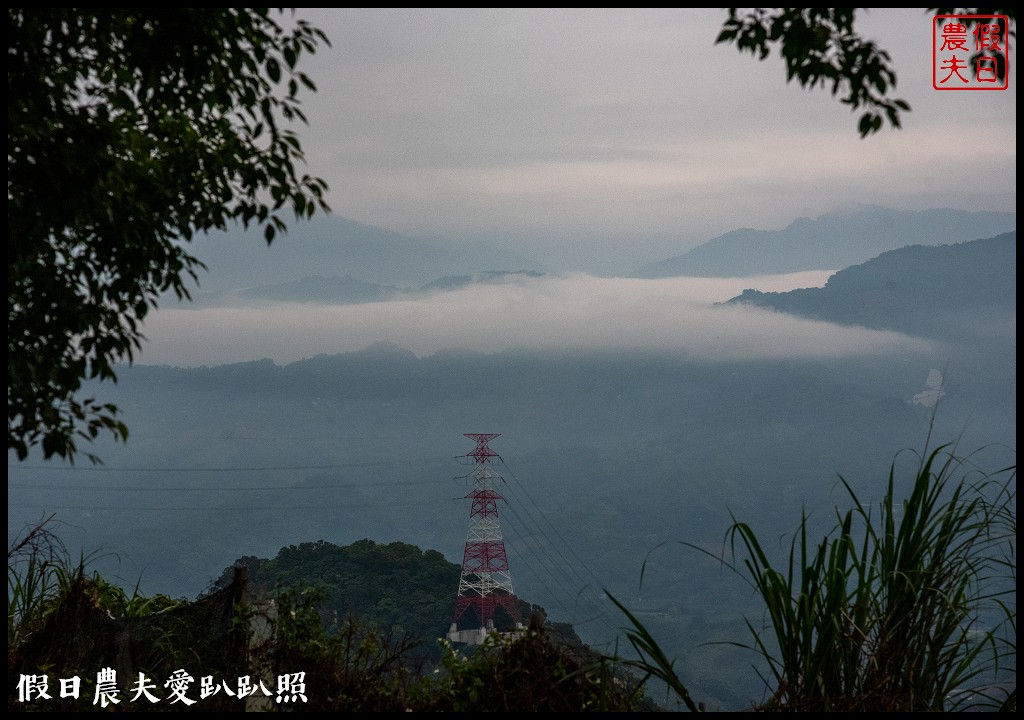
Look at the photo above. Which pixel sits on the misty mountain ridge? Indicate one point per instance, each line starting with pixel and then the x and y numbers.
pixel 487 277
pixel 348 290
pixel 344 253
pixel 955 292
pixel 835 240
pixel 334 290
pixel 239 258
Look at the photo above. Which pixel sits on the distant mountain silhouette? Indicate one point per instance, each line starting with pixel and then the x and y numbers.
pixel 949 292
pixel 346 290
pixel 315 289
pixel 452 282
pixel 336 247
pixel 833 241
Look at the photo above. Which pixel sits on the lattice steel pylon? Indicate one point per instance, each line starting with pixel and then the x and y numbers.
pixel 485 583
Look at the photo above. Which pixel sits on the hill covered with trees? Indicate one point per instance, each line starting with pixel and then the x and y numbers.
pixel 396 588
pixel 326 627
pixel 964 292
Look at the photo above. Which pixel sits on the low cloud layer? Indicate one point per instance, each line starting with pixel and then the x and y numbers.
pixel 567 312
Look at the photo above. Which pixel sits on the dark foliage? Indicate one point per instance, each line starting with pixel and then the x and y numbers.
pixel 129 131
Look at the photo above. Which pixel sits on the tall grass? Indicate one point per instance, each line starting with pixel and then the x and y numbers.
pixel 42 580
pixel 907 605
pixel 899 606
pixel 651 659
pixel 36 561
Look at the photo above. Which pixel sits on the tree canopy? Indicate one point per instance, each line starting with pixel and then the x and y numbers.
pixel 129 131
pixel 822 47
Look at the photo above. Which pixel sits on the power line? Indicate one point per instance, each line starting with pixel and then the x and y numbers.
pixel 245 488
pixel 581 597
pixel 539 543
pixel 100 469
pixel 213 508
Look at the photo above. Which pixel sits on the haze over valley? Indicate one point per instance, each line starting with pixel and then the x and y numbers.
pixel 635 413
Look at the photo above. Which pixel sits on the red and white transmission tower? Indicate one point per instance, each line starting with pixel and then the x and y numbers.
pixel 485 584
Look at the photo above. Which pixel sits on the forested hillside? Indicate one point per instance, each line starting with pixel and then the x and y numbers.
pixel 397 588
pixel 962 292
pixel 326 627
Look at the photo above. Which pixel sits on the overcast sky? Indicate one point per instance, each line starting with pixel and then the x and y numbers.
pixel 590 140
pixel 624 134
